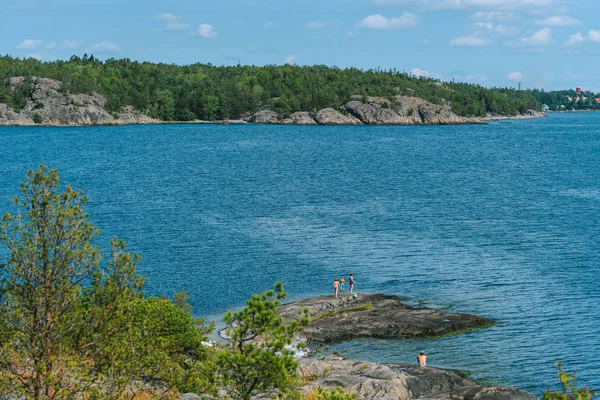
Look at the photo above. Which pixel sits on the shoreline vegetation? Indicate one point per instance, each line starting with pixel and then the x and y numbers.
pixel 87 91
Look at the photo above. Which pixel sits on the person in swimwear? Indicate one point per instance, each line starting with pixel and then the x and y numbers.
pixel 342 285
pixel 422 359
pixel 351 282
pixel 336 285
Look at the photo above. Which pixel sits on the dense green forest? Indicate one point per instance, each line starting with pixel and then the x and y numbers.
pixel 207 92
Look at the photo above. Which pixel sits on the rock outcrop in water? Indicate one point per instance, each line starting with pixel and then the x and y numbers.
pixel 376 316
pixel 398 381
pixel 384 316
pixel 49 104
pixel 300 118
pixel 329 116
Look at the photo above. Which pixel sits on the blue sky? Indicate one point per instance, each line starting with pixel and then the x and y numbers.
pixel 551 44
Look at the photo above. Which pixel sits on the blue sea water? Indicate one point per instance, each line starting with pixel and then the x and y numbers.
pixel 500 220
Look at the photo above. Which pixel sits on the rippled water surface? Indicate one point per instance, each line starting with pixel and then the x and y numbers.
pixel 500 220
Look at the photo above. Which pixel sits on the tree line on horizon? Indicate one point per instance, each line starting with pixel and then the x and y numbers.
pixel 208 92
pixel 567 100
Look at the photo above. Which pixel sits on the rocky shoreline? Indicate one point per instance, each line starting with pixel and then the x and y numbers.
pixel 369 380
pixel 51 105
pixel 384 316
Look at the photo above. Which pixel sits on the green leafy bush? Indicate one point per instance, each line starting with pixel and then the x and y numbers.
pixel 568 390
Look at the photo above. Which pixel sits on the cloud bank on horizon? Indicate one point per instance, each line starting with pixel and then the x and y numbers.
pixel 545 44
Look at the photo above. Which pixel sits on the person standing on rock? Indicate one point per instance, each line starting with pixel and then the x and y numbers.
pixel 342 285
pixel 422 359
pixel 351 283
pixel 336 285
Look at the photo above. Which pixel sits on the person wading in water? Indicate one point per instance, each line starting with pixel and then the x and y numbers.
pixel 422 359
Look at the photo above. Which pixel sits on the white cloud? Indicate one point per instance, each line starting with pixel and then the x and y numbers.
pixel 504 30
pixel 71 44
pixel 500 16
pixel 50 45
pixel 496 29
pixel 104 47
pixel 173 22
pixel 379 22
pixel 593 36
pixel 418 72
pixel 538 40
pixel 29 44
pixel 558 21
pixel 315 25
pixel 468 41
pixel 206 31
pixel 34 55
pixel 575 39
pixel 516 76
pixel 270 24
pixel 504 5
pixel 291 59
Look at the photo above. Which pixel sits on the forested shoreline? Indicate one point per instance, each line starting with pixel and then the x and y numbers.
pixel 206 92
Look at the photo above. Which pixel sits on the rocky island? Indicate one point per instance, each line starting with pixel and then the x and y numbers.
pixel 375 316
pixel 49 103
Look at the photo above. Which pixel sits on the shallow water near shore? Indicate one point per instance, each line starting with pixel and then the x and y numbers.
pixel 500 220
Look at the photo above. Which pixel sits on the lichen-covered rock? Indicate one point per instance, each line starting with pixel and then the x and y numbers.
pixel 264 117
pixel 129 115
pixel 329 116
pixel 9 117
pixel 59 108
pixel 377 316
pixel 482 393
pixel 54 106
pixel 424 112
pixel 373 114
pixel 533 114
pixel 300 118
pixel 374 111
pixel 369 380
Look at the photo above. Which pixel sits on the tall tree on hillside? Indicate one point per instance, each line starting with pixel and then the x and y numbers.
pixel 50 254
pixel 70 326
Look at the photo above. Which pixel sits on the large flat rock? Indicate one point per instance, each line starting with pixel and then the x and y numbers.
pixel 377 316
pixel 369 380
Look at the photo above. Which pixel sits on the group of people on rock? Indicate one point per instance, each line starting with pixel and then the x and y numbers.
pixel 339 286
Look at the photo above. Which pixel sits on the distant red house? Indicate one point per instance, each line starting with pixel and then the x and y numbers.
pixel 598 100
pixel 578 90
